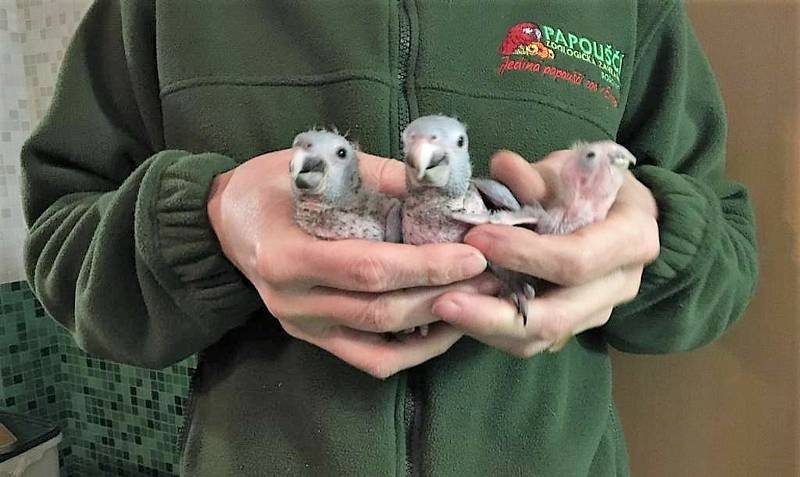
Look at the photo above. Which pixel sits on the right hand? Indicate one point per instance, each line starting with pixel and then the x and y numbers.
pixel 340 295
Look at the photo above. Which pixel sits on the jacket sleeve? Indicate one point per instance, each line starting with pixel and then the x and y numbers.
pixel 674 122
pixel 120 250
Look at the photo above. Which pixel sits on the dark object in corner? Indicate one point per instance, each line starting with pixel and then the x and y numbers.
pixel 25 433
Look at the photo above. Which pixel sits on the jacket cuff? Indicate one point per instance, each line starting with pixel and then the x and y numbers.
pixel 689 214
pixel 176 241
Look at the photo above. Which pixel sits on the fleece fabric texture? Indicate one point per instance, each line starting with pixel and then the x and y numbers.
pixel 156 98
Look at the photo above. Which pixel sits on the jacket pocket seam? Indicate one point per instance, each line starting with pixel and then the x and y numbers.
pixel 519 96
pixel 299 81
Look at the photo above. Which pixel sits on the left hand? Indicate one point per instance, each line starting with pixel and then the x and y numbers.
pixel 599 266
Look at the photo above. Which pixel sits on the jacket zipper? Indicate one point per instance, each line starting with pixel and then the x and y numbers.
pixel 414 416
pixel 403 108
pixel 413 392
pixel 188 410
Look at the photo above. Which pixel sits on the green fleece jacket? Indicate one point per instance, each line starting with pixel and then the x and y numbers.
pixel 155 98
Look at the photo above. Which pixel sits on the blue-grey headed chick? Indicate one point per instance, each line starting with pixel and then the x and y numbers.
pixel 441 189
pixel 330 201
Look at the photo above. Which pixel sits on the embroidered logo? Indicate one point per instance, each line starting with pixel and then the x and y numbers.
pixel 528 45
pixel 603 55
pixel 525 39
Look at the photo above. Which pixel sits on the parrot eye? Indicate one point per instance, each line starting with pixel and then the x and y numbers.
pixel 341 153
pixel 460 141
pixel 307 145
pixel 590 155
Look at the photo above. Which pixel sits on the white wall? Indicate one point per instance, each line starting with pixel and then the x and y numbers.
pixel 33 38
pixel 732 409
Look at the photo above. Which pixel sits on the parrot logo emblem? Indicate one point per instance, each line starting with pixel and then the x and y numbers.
pixel 525 39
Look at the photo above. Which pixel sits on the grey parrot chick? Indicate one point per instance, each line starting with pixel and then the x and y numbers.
pixel 330 201
pixel 441 192
pixel 438 179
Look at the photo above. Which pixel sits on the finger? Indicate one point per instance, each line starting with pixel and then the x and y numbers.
pixel 622 239
pixel 385 175
pixel 552 316
pixel 524 181
pixel 635 194
pixel 384 312
pixel 495 322
pixel 529 182
pixel 482 317
pixel 360 265
pixel 382 358
pixel 583 307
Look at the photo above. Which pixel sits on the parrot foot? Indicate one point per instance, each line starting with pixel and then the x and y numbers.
pixel 520 299
pixel 423 331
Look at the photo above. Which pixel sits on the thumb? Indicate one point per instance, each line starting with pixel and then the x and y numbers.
pixel 524 180
pixel 385 175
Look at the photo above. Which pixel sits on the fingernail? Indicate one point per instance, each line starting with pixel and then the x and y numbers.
pixel 472 264
pixel 446 310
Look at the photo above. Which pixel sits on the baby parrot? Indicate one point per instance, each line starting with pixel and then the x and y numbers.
pixel 330 201
pixel 587 187
pixel 439 182
pixel 440 189
pixel 588 184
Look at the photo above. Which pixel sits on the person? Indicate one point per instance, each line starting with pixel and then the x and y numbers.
pixel 159 227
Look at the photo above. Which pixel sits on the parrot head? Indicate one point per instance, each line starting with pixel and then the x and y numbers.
pixel 528 31
pixel 436 154
pixel 324 165
pixel 597 169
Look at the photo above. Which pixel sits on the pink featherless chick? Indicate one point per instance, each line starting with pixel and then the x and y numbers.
pixel 587 187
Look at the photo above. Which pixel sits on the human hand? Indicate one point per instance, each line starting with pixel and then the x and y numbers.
pixel 340 295
pixel 599 266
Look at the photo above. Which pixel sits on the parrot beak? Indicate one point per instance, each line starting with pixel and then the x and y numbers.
pixel 622 159
pixel 307 171
pixel 429 163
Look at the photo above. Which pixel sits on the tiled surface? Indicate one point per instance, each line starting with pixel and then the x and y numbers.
pixel 33 38
pixel 30 361
pixel 117 420
pixel 125 420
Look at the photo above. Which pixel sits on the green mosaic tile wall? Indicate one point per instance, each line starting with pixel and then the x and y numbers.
pixel 30 360
pixel 117 420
